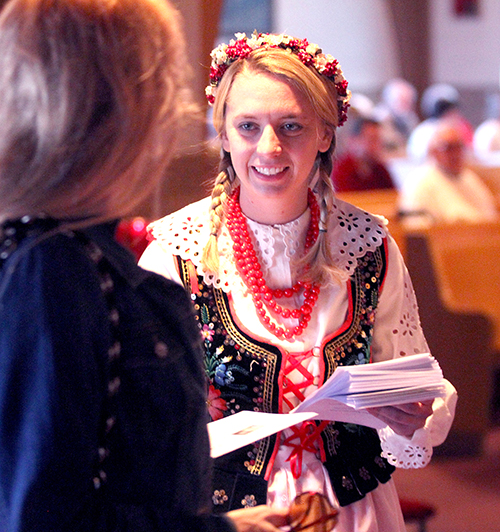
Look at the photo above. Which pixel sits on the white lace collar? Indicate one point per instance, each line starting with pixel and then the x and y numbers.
pixel 352 233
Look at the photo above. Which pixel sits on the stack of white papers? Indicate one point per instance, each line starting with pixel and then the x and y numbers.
pixel 392 382
pixel 344 397
pixel 351 389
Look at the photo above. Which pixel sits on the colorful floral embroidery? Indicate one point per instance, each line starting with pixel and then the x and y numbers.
pixel 219 497
pixel 347 483
pixel 249 501
pixel 216 405
pixel 207 332
pixel 243 376
pixel 364 473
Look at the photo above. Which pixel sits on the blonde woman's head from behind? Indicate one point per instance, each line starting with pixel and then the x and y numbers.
pixel 92 94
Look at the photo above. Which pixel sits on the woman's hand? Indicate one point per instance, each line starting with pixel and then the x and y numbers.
pixel 404 419
pixel 260 518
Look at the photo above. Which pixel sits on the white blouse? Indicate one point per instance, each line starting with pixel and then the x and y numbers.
pixel 397 332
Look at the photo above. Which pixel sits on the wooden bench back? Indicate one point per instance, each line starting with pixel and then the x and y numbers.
pixel 466 260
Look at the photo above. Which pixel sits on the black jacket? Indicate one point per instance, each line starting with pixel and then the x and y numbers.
pixel 88 441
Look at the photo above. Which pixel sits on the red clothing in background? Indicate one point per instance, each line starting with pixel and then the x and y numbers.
pixel 350 173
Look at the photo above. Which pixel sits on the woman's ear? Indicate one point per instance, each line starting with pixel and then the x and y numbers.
pixel 326 138
pixel 225 141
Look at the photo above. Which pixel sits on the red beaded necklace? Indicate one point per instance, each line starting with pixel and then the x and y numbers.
pixel 249 268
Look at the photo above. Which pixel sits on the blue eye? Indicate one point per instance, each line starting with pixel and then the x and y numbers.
pixel 247 126
pixel 292 127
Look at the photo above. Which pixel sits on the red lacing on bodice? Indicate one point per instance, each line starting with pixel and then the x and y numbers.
pixel 307 435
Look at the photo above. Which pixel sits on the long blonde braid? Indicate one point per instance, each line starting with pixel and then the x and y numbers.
pixel 318 262
pixel 223 187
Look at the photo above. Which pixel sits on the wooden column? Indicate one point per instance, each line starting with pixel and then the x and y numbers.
pixel 411 22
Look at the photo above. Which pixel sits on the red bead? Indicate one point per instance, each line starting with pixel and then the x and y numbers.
pixel 248 265
pixel 306 309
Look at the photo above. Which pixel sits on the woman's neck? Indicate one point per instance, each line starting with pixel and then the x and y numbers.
pixel 269 211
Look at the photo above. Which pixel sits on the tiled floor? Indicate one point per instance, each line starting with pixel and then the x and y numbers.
pixel 465 491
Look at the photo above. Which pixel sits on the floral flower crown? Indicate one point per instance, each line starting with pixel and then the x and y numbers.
pixel 310 54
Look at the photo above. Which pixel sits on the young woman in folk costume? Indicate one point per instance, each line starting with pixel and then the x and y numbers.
pixel 102 386
pixel 289 282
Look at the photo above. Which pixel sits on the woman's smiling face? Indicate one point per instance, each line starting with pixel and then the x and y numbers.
pixel 273 136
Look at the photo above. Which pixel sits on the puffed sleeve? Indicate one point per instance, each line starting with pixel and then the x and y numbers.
pixel 158 260
pixel 397 333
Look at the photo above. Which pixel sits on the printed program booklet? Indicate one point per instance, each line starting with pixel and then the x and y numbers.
pixel 344 397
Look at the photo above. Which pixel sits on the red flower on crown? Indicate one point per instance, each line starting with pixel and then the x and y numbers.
pixel 310 55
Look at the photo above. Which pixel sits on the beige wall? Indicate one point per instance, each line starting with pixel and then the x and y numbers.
pixel 201 26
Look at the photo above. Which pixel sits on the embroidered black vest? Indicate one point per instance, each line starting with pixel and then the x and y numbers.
pixel 244 375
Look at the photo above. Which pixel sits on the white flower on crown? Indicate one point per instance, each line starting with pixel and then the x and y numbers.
pixel 321 62
pixel 313 49
pixel 210 90
pixel 254 41
pixel 276 40
pixel 219 54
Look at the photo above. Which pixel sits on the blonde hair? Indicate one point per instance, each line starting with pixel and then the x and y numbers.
pixel 92 95
pixel 322 95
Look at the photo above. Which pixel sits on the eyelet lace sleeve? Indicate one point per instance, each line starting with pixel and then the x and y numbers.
pixel 397 333
pixel 404 453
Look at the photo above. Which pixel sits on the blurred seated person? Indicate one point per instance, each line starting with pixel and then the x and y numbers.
pixel 487 135
pixel 361 167
pixel 439 102
pixel 360 105
pixel 444 189
pixel 397 116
